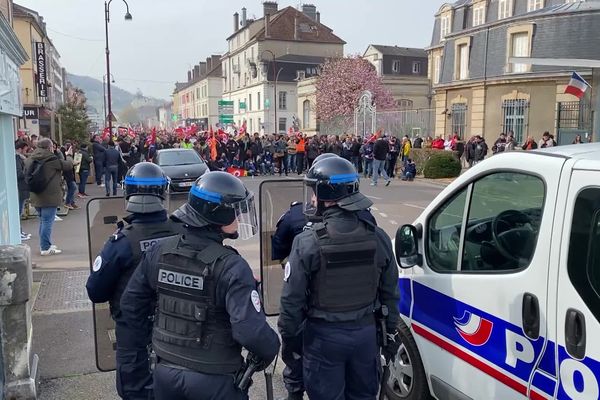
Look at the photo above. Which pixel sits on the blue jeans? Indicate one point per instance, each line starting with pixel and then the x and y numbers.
pixel 83 176
pixel 368 168
pixel 290 162
pixel 71 188
pixel 99 169
pixel 46 215
pixel 111 172
pixel 378 168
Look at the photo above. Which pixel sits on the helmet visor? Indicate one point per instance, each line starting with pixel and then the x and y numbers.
pixel 245 214
pixel 310 198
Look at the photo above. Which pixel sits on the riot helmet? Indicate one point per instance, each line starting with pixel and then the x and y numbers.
pixel 146 189
pixel 333 179
pixel 219 199
pixel 324 156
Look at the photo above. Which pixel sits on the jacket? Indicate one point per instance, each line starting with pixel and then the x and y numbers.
pixel 380 149
pixel 86 159
pixel 112 157
pixel 52 196
pixel 98 151
pixel 21 184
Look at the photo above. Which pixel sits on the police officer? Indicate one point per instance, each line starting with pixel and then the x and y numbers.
pixel 290 225
pixel 146 189
pixel 208 307
pixel 340 271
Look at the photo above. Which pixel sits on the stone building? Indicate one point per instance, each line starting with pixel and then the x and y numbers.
pixel 265 60
pixel 403 72
pixel 477 91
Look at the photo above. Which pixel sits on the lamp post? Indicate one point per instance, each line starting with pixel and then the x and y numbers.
pixel 276 75
pixel 128 17
pixel 104 95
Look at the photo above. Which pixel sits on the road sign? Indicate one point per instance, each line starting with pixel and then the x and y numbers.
pixel 226 111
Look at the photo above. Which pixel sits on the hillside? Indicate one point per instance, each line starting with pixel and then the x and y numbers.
pixel 121 99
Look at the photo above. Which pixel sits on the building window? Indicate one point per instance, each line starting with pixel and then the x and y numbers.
pixel 306 114
pixel 250 127
pixel 405 104
pixel 396 66
pixel 504 8
pixel 519 48
pixel 416 67
pixel 437 69
pixel 444 26
pixel 462 68
pixel 533 5
pixel 250 102
pixel 282 101
pixel 514 116
pixel 282 124
pixel 479 15
pixel 258 103
pixel 459 119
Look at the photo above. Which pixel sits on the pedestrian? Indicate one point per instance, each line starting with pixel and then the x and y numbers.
pixel 418 142
pixel 69 177
pixel 43 172
pixel 341 255
pixel 367 154
pixel 312 152
pixel 98 150
pixel 546 141
pixel 392 156
pixel 500 144
pixel 529 144
pixel 409 171
pixel 300 154
pixel 84 170
pixel 577 140
pixel 22 148
pixel 112 158
pixel 380 151
pixel 146 189
pixel 480 149
pixel 207 304
pixel 291 154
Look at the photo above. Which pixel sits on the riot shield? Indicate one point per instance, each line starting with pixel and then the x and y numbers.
pixel 102 217
pixel 275 198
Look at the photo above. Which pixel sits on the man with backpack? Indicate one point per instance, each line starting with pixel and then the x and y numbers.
pixel 43 174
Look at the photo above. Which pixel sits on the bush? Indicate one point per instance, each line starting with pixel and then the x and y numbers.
pixel 422 156
pixel 442 164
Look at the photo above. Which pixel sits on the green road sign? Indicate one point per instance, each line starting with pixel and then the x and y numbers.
pixel 225 103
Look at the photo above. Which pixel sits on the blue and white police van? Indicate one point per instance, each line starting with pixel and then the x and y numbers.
pixel 500 283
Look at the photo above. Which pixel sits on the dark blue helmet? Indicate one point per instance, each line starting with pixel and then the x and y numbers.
pixel 146 187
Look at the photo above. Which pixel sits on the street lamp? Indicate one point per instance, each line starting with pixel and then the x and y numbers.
pixel 128 17
pixel 112 80
pixel 276 74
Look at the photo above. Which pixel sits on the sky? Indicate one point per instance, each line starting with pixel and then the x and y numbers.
pixel 167 37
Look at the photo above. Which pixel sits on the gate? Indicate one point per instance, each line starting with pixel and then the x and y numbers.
pixel 573 118
pixel 365 116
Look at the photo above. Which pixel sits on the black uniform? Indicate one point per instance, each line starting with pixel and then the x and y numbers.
pixel 111 271
pixel 208 309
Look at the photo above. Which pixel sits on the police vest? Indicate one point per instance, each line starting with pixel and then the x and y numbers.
pixel 190 329
pixel 141 237
pixel 348 277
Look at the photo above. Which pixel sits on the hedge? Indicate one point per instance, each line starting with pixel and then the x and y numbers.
pixel 421 156
pixel 442 164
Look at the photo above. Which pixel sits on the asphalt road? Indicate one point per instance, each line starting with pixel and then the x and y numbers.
pixel 62 316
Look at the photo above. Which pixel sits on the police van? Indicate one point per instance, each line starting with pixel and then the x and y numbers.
pixel 500 283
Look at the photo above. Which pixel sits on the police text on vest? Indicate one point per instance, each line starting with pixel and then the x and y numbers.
pixel 179 279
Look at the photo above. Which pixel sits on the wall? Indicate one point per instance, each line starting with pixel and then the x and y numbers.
pixel 6 10
pixel 415 89
pixel 307 90
pixel 459 96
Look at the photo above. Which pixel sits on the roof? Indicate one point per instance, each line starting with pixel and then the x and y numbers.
pixel 299 59
pixel 587 151
pixel 216 72
pixel 281 27
pixel 400 51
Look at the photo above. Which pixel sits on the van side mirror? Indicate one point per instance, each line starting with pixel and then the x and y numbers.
pixel 407 248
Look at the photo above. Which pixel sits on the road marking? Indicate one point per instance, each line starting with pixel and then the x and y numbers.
pixel 413 206
pixel 374 198
pixel 383 215
pixel 393 222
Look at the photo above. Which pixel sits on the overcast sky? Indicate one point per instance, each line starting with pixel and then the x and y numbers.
pixel 167 37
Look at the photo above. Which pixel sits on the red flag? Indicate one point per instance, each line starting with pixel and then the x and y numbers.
pixel 152 139
pixel 239 172
pixel 105 133
pixel 374 137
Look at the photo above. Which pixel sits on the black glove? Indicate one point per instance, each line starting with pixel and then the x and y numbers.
pixel 392 347
pixel 290 346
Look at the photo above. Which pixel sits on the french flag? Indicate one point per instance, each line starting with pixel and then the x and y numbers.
pixel 577 86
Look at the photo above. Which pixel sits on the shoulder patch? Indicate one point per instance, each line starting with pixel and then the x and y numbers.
pixel 255 298
pixel 287 272
pixel 97 264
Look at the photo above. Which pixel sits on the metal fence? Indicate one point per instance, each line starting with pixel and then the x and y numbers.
pixel 397 122
pixel 573 118
pixel 515 117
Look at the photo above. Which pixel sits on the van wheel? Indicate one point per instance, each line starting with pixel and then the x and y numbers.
pixel 407 380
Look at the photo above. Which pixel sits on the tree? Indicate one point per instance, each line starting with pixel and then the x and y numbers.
pixel 73 116
pixel 340 84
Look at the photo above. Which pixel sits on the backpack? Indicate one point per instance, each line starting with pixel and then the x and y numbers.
pixel 34 176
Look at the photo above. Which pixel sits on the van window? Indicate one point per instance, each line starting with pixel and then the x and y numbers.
pixel 584 252
pixel 500 231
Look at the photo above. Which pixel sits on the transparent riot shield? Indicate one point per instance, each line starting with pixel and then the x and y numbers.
pixel 102 217
pixel 275 198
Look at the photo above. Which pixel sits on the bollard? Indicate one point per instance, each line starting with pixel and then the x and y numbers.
pixel 18 367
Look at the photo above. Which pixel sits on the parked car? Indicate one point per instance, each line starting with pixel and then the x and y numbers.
pixel 182 166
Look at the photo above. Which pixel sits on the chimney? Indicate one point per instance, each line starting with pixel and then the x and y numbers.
pixel 209 64
pixel 202 68
pixel 295 28
pixel 189 76
pixel 318 17
pixel 267 22
pixel 270 7
pixel 244 17
pixel 236 22
pixel 310 10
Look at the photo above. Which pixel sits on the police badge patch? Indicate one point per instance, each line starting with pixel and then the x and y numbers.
pixel 255 298
pixel 287 272
pixel 97 264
